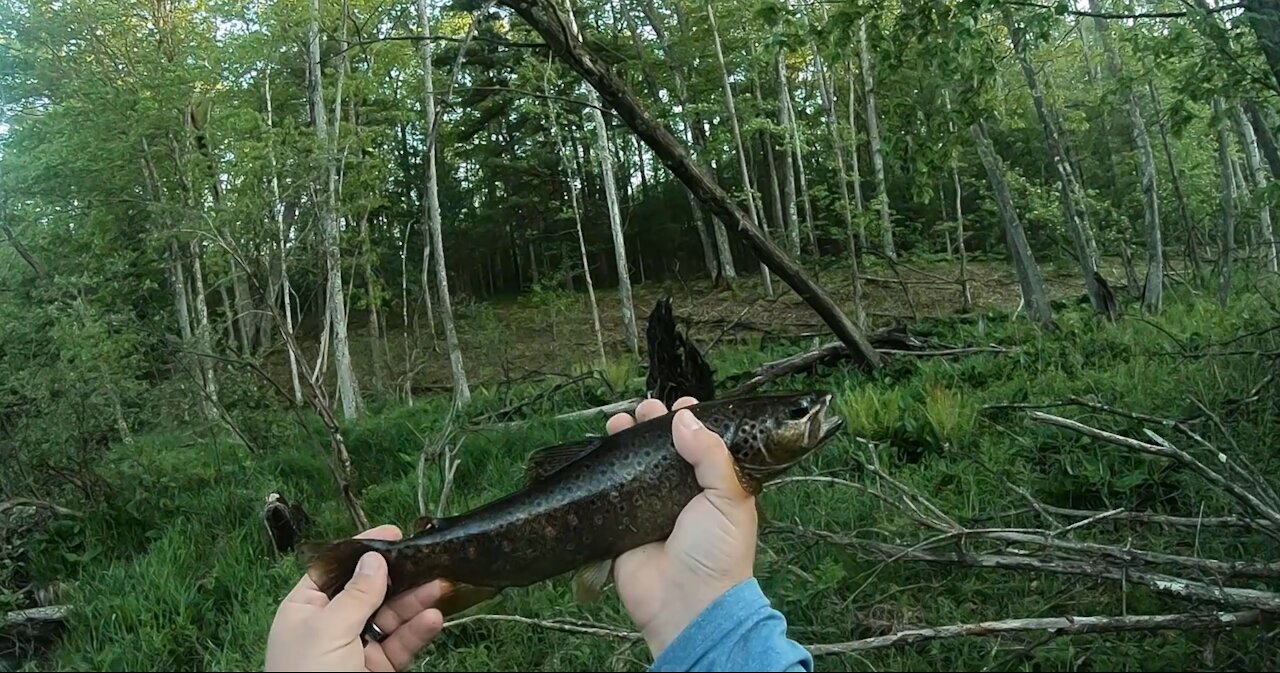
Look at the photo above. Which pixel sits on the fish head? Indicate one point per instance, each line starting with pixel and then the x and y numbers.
pixel 768 434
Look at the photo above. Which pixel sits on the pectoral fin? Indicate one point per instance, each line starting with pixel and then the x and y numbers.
pixel 589 582
pixel 458 596
pixel 750 484
pixel 423 524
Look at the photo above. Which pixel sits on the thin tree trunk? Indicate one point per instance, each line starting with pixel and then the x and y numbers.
pixel 856 171
pixel 562 155
pixel 615 226
pixel 873 134
pixel 1266 140
pixel 204 337
pixel 829 107
pixel 1253 162
pixel 1029 279
pixel 461 391
pixel 775 191
pixel 348 391
pixel 955 179
pixel 747 183
pixel 283 248
pixel 1228 231
pixel 1153 291
pixel 1068 188
pixel 792 223
pixel 1176 177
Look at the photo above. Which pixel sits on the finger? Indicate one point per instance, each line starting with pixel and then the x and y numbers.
pixel 650 409
pixel 619 422
pixel 407 606
pixel 387 532
pixel 683 402
pixel 706 451
pixel 305 592
pixel 403 646
pixel 352 607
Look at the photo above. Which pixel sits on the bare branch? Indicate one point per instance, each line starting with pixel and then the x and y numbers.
pixel 1097 568
pixel 567 626
pixel 1169 451
pixel 30 616
pixel 1122 15
pixel 1055 626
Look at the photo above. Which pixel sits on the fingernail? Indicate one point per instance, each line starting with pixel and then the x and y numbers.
pixel 689 421
pixel 366 564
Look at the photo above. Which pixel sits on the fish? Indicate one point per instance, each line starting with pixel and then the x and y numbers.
pixel 583 504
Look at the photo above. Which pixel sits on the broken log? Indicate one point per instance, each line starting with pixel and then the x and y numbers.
pixel 564 39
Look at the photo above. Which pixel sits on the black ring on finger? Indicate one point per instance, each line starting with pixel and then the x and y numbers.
pixel 371 632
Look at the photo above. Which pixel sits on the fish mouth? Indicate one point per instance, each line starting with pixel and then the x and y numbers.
pixel 824 422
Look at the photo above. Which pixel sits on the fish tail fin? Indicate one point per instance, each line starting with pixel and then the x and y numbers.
pixel 331 564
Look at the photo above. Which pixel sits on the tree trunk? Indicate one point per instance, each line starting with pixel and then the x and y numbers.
pixel 615 226
pixel 461 391
pixel 1264 17
pixel 1176 177
pixel 829 107
pixel 1153 290
pixel 204 336
pixel 965 291
pixel 797 150
pixel 1228 231
pixel 544 17
pixel 747 183
pixel 873 134
pixel 1029 279
pixel 766 140
pixel 855 170
pixel 1253 162
pixel 1067 186
pixel 348 391
pixel 283 247
pixel 792 149
pixel 1266 140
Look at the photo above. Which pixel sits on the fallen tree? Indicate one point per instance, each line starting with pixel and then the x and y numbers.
pixel 561 34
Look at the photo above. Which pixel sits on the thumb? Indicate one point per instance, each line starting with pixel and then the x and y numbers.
pixel 347 613
pixel 707 453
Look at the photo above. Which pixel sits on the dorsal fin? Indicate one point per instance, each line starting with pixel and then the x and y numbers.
pixel 546 461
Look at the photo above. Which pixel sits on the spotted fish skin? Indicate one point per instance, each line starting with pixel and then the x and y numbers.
pixel 623 491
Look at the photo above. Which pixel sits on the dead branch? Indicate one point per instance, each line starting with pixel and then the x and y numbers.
pixel 610 409
pixel 561 33
pixel 1166 584
pixel 38 504
pixel 1171 452
pixel 1055 626
pixel 567 626
pixel 1164 519
pixel 35 616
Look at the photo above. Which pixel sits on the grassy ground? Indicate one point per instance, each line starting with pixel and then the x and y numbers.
pixel 172 569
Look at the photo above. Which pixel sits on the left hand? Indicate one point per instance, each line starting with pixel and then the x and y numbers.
pixel 312 633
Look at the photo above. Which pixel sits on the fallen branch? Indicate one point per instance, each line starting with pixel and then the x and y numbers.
pixel 38 504
pixel 1097 568
pixel 561 33
pixel 1169 451
pixel 1055 626
pixel 567 626
pixel 1165 519
pixel 627 406
pixel 35 616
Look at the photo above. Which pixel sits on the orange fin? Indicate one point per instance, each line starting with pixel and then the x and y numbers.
pixel 459 596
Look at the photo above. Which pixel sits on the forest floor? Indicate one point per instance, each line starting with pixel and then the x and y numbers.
pixel 171 567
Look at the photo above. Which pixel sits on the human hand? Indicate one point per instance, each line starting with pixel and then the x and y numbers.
pixel 665 585
pixel 312 633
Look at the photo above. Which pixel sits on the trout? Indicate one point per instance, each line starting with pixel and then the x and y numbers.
pixel 583 504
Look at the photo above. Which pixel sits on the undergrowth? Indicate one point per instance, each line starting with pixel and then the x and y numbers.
pixel 172 567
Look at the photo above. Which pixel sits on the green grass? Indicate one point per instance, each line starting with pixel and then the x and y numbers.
pixel 172 567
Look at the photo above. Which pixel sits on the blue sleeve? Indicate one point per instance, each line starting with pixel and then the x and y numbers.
pixel 740 631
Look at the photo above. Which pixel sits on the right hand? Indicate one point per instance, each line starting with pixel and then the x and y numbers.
pixel 665 585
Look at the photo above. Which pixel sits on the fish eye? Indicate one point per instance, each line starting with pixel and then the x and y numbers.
pixel 798 412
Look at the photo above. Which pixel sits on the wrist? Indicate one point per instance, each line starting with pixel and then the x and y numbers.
pixel 689 603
